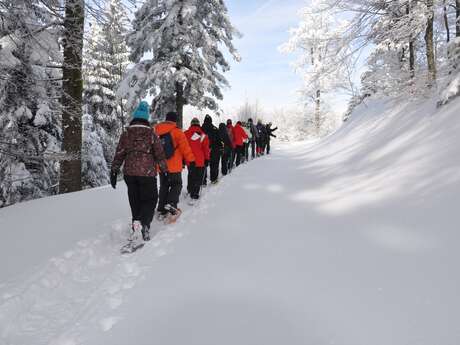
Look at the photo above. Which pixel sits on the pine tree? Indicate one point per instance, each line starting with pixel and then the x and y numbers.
pixel 105 61
pixel 94 166
pixel 30 125
pixel 184 39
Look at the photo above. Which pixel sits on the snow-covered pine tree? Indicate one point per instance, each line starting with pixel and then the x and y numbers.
pixel 106 58
pixel 176 45
pixel 95 171
pixel 30 125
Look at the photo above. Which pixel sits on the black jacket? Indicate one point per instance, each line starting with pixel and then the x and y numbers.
pixel 270 132
pixel 215 140
pixel 224 135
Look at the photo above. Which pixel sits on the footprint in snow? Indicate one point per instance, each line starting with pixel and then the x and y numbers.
pixel 131 269
pixel 114 302
pixel 107 323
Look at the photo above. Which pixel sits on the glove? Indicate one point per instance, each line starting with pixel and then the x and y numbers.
pixel 113 179
pixel 192 165
pixel 206 163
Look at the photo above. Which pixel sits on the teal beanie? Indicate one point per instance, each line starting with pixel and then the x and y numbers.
pixel 142 111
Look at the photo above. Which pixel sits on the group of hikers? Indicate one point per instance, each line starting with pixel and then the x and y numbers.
pixel 145 150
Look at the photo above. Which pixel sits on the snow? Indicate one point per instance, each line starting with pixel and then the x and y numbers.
pixel 352 240
pixel 7 47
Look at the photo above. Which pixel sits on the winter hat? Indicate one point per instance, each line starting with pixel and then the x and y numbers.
pixel 250 120
pixel 142 111
pixel 195 122
pixel 171 116
pixel 208 119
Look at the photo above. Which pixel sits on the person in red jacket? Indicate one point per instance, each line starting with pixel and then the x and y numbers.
pixel 199 143
pixel 239 137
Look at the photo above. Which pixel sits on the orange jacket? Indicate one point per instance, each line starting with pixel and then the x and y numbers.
pixel 182 147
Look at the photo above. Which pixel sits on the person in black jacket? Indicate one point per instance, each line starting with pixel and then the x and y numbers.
pixel 254 137
pixel 216 147
pixel 261 138
pixel 269 135
pixel 227 153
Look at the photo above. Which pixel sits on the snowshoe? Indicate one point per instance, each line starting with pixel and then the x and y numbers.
pixel 134 241
pixel 162 215
pixel 173 214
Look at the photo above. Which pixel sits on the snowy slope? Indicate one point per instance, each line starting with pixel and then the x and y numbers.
pixel 350 241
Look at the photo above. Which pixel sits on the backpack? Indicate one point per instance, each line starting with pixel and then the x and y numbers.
pixel 168 145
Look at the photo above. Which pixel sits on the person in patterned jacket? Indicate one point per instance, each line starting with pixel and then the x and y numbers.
pixel 141 152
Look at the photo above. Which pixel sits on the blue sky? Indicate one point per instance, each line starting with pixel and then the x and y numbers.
pixel 264 74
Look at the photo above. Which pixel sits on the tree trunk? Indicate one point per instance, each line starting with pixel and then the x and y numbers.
pixel 70 176
pixel 430 45
pixel 457 17
pixel 318 111
pixel 446 21
pixel 411 46
pixel 180 105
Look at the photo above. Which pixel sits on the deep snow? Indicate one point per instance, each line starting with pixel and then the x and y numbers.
pixel 349 241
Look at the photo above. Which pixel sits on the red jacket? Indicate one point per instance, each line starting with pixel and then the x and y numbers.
pixel 239 135
pixel 199 143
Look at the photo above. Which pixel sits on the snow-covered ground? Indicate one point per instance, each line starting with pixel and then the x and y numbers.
pixel 349 241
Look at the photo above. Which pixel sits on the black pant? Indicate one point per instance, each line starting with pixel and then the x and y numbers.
pixel 246 151
pixel 143 197
pixel 253 148
pixel 214 164
pixel 195 179
pixel 239 152
pixel 268 147
pixel 226 156
pixel 170 188
pixel 231 162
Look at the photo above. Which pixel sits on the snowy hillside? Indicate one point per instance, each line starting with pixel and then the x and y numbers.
pixel 349 241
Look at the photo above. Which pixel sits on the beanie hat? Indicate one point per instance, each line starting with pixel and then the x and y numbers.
pixel 195 122
pixel 208 119
pixel 142 111
pixel 171 116
pixel 250 120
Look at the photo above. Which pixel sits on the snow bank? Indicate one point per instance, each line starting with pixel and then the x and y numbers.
pixel 350 241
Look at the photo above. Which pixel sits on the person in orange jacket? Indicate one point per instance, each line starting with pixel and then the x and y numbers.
pixel 177 149
pixel 239 137
pixel 199 143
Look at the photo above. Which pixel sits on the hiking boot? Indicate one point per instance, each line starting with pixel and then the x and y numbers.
pixel 162 214
pixel 145 233
pixel 136 228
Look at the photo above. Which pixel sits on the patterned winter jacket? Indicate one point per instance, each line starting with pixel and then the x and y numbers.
pixel 140 150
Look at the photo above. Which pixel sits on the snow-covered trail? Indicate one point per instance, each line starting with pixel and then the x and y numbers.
pixel 352 241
